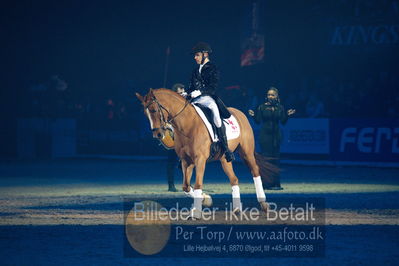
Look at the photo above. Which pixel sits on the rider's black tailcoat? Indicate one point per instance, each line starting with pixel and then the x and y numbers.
pixel 206 81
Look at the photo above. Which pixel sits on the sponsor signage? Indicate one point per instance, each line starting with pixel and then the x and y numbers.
pixel 306 136
pixel 365 140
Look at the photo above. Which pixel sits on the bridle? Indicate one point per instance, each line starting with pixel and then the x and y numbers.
pixel 164 123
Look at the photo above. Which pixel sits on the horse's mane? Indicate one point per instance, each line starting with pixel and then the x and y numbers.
pixel 168 92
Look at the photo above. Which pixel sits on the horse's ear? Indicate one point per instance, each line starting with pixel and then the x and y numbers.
pixel 141 98
pixel 151 93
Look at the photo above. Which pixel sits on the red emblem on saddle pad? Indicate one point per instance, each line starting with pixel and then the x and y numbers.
pixel 231 123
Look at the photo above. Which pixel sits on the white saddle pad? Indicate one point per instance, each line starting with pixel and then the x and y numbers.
pixel 231 124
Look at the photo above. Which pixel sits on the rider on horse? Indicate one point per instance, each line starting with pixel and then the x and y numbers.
pixel 202 89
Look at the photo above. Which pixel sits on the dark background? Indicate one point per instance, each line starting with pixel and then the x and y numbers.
pixel 108 50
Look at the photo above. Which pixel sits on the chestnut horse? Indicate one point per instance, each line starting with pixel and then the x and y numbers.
pixel 192 145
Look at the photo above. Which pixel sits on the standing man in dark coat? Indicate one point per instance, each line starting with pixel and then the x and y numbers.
pixel 270 114
pixel 202 90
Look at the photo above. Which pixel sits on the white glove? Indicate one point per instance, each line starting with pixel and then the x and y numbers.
pixel 195 93
pixel 184 94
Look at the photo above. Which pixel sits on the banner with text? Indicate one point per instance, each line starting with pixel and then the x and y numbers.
pixel 306 136
pixel 365 140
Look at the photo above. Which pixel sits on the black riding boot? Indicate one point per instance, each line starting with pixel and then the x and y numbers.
pixel 223 140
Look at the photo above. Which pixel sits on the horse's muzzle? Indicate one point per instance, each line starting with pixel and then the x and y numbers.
pixel 160 135
pixel 157 133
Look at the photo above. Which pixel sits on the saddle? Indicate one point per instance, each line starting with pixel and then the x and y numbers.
pixel 231 125
pixel 209 117
pixel 168 141
pixel 224 112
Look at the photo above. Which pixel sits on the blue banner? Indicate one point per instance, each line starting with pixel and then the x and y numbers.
pixel 375 140
pixel 306 136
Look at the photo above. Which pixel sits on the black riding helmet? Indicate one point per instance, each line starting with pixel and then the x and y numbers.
pixel 201 47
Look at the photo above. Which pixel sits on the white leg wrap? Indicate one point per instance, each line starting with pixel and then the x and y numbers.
pixel 189 194
pixel 197 208
pixel 260 193
pixel 235 192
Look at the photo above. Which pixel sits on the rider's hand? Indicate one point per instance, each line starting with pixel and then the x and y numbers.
pixel 251 112
pixel 195 93
pixel 291 112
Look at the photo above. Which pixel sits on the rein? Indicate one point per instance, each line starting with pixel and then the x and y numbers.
pixel 163 120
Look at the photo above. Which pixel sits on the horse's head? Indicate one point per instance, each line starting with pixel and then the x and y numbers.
pixel 156 114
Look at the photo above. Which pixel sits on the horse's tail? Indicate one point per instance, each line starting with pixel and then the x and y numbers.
pixel 268 171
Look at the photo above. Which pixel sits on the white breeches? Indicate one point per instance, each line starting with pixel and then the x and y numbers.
pixel 210 103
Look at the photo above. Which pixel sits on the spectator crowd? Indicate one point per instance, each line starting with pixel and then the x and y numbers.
pixel 375 96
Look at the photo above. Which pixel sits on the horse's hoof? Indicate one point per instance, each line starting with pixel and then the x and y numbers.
pixel 264 205
pixel 207 201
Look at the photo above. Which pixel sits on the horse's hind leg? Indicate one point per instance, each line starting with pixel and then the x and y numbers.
pixel 235 189
pixel 247 154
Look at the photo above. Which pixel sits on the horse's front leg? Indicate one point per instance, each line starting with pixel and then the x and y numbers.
pixel 187 173
pixel 196 211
